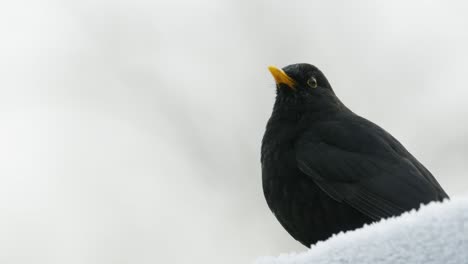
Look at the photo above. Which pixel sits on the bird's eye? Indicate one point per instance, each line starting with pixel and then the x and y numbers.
pixel 312 82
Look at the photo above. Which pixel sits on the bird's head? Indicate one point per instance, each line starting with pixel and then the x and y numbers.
pixel 304 84
pixel 300 78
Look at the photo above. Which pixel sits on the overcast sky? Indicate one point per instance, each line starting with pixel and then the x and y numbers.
pixel 130 130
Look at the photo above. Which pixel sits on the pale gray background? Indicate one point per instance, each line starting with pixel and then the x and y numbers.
pixel 130 130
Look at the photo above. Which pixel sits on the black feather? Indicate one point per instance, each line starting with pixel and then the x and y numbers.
pixel 326 169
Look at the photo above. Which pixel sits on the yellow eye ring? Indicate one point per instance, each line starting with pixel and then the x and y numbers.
pixel 312 82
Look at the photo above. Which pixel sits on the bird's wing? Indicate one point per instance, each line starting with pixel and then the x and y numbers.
pixel 379 185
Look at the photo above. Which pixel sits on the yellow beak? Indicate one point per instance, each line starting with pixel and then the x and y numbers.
pixel 281 77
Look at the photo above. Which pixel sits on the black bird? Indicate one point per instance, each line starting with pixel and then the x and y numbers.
pixel 326 169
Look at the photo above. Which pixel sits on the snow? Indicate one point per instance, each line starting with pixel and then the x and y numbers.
pixel 436 233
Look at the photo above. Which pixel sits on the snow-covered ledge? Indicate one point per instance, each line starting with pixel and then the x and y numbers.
pixel 435 234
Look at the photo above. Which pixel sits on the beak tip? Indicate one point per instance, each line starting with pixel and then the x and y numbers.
pixel 281 77
pixel 272 68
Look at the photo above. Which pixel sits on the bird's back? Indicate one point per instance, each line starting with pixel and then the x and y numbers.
pixel 365 136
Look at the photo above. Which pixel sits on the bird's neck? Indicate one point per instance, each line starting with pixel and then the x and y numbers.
pixel 291 110
pixel 288 109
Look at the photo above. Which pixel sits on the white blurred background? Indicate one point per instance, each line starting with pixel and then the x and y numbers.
pixel 130 130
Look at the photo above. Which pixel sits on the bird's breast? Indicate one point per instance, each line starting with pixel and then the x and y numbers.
pixel 301 207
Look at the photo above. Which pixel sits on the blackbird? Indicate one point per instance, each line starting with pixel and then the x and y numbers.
pixel 325 169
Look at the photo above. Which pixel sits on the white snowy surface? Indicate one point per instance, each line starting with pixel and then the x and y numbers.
pixel 437 233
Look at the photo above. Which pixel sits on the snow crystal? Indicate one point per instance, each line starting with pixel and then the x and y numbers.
pixel 437 233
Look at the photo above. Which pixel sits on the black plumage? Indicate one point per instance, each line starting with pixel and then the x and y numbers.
pixel 326 169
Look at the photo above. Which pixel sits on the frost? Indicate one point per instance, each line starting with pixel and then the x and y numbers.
pixel 436 233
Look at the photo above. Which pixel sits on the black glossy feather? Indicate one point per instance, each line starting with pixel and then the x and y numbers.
pixel 326 169
pixel 356 162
